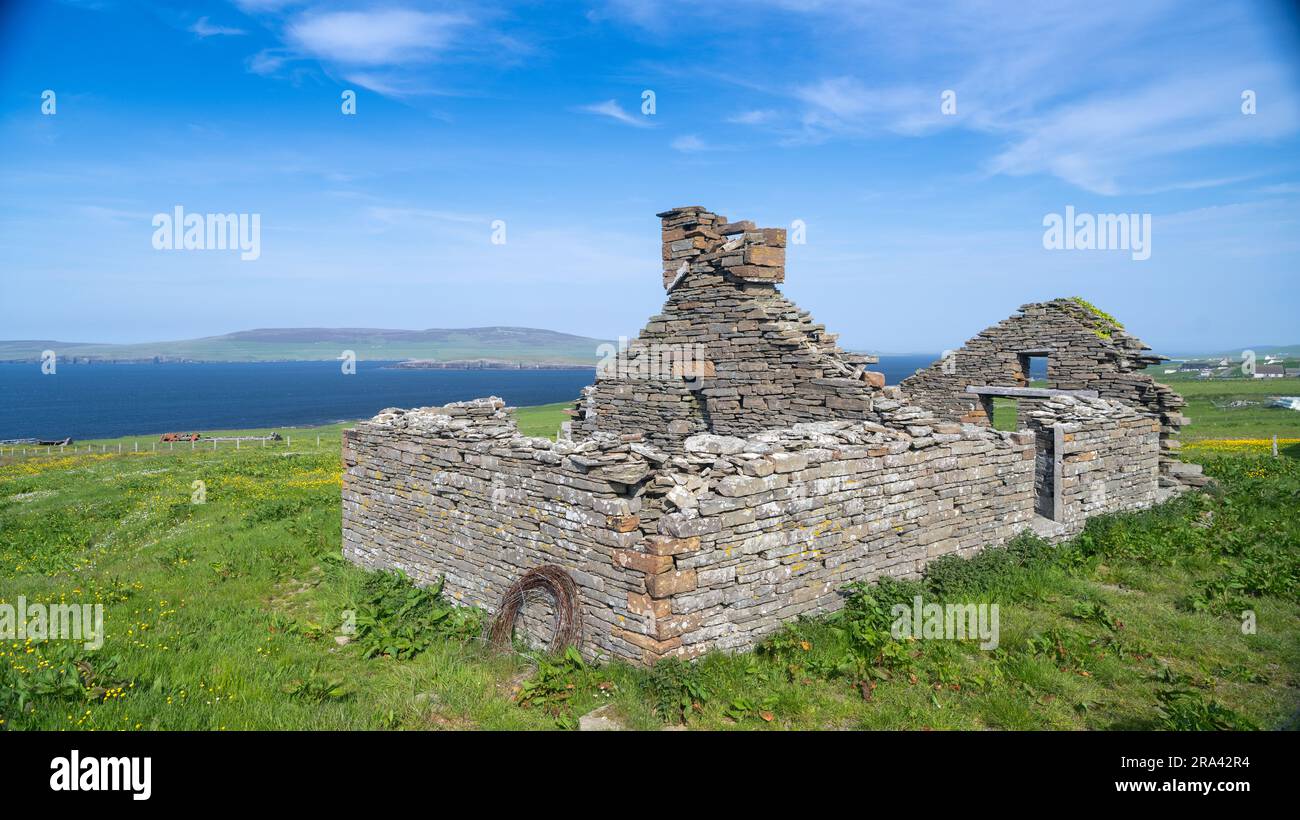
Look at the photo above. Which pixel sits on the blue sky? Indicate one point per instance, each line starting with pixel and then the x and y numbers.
pixel 922 227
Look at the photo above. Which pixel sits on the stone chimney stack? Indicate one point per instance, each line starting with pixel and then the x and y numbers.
pixel 738 250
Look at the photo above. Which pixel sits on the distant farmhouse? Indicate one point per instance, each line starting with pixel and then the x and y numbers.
pixel 1270 371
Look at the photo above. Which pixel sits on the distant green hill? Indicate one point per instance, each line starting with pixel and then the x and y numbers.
pixel 514 345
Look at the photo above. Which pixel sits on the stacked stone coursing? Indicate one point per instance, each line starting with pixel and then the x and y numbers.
pixel 771 526
pixel 703 510
pixel 457 492
pixel 1103 456
pixel 1085 350
pixel 765 362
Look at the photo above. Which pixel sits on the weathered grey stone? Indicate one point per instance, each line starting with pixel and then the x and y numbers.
pixel 699 510
pixel 600 720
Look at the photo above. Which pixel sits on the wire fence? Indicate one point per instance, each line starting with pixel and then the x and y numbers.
pixel 286 443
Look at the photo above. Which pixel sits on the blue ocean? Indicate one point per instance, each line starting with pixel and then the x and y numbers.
pixel 89 401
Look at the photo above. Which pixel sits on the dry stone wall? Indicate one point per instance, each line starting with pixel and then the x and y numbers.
pixel 702 510
pixel 1085 350
pixel 457 492
pixel 765 362
pixel 765 528
pixel 1104 458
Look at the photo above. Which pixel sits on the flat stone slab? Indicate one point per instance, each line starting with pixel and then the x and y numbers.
pixel 600 720
pixel 1030 392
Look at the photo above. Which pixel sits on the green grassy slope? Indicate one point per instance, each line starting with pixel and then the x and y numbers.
pixel 1208 407
pixel 542 420
pixel 1211 418
pixel 226 614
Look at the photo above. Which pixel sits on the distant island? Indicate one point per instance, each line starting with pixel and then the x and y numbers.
pixel 485 364
pixel 447 348
pixel 470 348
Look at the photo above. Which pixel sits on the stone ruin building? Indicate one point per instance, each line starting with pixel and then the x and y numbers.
pixel 699 501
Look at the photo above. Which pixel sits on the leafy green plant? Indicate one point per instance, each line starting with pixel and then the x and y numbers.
pixel 1068 650
pixel 993 569
pixel 868 617
pixel 1093 612
pixel 676 688
pixel 399 620
pixel 557 680
pixel 318 687
pixel 744 707
pixel 1186 710
pixel 61 672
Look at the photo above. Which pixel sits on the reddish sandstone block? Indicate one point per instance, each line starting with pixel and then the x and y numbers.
pixel 624 523
pixel 677 625
pixel 874 379
pixel 755 273
pixel 638 603
pixel 764 256
pixel 667 584
pixel 646 642
pixel 667 545
pixel 643 562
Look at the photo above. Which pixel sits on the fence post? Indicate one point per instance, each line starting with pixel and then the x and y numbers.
pixel 1275 445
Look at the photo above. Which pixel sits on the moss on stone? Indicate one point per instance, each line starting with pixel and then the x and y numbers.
pixel 1106 324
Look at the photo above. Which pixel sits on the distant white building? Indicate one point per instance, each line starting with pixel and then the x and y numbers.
pixel 1270 371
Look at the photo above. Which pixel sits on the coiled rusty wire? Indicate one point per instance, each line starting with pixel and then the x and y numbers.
pixel 566 607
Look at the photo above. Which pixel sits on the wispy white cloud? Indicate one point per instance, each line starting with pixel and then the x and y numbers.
pixel 266 62
pixel 611 109
pixel 1106 101
pixel 388 83
pixel 847 106
pixel 259 6
pixel 382 218
pixel 757 116
pixel 689 144
pixel 1105 142
pixel 1281 188
pixel 395 52
pixel 203 28
pixel 114 216
pixel 371 38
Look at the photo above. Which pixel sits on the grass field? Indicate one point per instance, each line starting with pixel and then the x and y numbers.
pixel 542 420
pixel 226 614
pixel 1207 407
pixel 1257 421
